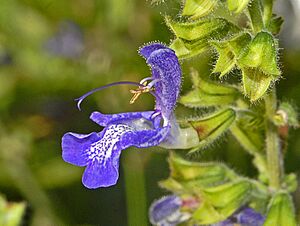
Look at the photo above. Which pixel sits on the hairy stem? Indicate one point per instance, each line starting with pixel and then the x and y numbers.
pixel 274 155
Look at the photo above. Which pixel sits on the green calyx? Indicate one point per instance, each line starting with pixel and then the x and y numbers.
pixel 212 127
pixel 261 53
pixel 229 51
pixel 237 6
pixel 206 93
pixel 280 211
pixel 192 37
pixel 198 8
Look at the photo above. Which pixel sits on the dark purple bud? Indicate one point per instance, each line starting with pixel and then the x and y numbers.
pixel 244 217
pixel 249 217
pixel 166 211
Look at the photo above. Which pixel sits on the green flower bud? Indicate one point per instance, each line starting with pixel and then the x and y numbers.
pixel 255 83
pixel 280 211
pixel 290 182
pixel 203 29
pixel 198 8
pixel 275 25
pixel 212 127
pixel 222 201
pixel 192 176
pixel 286 115
pixel 229 50
pixel 184 170
pixel 172 185
pixel 237 6
pixel 226 194
pixel 207 93
pixel 11 213
pixel 185 49
pixel 261 53
pixel 207 214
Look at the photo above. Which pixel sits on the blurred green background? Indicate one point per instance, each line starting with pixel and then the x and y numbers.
pixel 52 52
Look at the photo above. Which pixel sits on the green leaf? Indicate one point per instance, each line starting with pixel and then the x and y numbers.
pixel 280 211
pixel 202 29
pixel 237 6
pixel 207 93
pixel 198 8
pixel 11 214
pixel 255 83
pixel 261 53
pixel 212 127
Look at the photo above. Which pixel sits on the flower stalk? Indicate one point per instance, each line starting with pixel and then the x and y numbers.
pixel 274 155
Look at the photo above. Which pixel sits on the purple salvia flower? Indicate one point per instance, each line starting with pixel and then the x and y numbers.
pixel 249 217
pixel 167 211
pixel 244 217
pixel 100 152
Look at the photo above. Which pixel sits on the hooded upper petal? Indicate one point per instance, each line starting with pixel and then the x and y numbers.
pixel 147 50
pixel 167 71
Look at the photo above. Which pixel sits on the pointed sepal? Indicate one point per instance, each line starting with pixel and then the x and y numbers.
pixel 210 128
pixel 198 8
pixel 207 93
pixel 281 211
pixel 261 53
pixel 237 6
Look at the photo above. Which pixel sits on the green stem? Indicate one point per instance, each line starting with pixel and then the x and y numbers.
pixel 135 189
pixel 268 9
pixel 29 187
pixel 274 155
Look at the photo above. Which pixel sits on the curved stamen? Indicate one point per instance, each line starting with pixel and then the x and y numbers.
pixel 146 79
pixel 80 99
pixel 146 88
pixel 152 83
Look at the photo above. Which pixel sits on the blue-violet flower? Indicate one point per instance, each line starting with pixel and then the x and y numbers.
pixel 244 217
pixel 166 211
pixel 100 152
